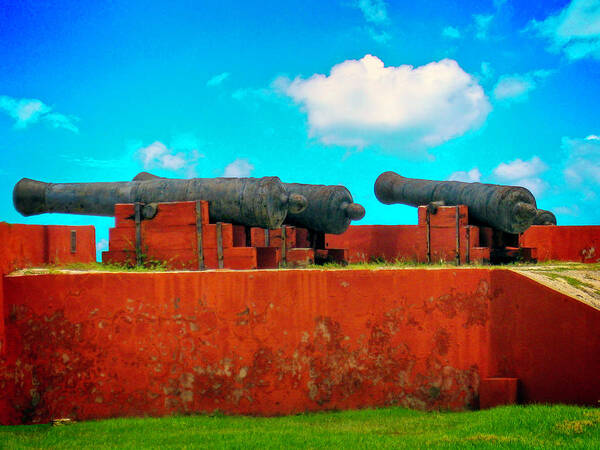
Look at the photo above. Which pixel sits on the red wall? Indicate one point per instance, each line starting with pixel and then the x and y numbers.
pixel 275 342
pixel 564 243
pixel 262 342
pixel 548 340
pixel 35 245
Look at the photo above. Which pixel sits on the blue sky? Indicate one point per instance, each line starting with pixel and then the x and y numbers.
pixel 329 92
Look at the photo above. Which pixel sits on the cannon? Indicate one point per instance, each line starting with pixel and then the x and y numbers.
pixel 543 217
pixel 330 209
pixel 261 202
pixel 511 209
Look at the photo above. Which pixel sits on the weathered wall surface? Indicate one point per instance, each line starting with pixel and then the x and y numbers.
pixel 275 342
pixel 564 243
pixel 266 342
pixel 34 245
pixel 546 339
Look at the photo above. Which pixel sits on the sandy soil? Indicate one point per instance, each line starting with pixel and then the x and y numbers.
pixel 579 281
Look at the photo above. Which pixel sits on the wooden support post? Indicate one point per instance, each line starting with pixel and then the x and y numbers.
pixel 428 237
pixel 220 244
pixel 138 234
pixel 73 241
pixel 283 245
pixel 267 238
pixel 199 235
pixel 457 235
pixel 468 255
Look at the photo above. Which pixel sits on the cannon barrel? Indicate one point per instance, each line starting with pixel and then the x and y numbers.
pixel 330 209
pixel 508 208
pixel 262 202
pixel 543 217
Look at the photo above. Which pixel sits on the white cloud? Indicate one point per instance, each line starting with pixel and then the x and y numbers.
pixel 575 30
pixel 375 11
pixel 582 166
pixel 27 111
pixel 182 154
pixel 102 245
pixel 482 25
pixel 473 175
pixel 520 169
pixel 238 168
pixel 523 173
pixel 536 185
pixel 513 87
pixel 517 86
pixel 218 79
pixel 566 210
pixel 451 32
pixel 400 108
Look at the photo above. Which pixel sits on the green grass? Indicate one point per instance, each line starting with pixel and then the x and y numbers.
pixel 506 427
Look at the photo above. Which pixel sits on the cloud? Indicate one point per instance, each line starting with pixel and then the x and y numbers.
pixel 517 86
pixel 87 161
pixel 486 71
pixel 523 173
pixel 375 11
pixel 401 109
pixel 218 79
pixel 451 32
pixel 566 210
pixel 520 169
pixel 582 167
pixel 238 168
pixel 575 30
pixel 182 154
pixel 27 111
pixel 473 175
pixel 102 245
pixel 380 36
pixel 482 25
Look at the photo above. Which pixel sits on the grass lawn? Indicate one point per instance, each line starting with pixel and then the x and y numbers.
pixel 506 427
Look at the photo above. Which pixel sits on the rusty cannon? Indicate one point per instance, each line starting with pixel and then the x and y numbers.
pixel 330 209
pixel 260 202
pixel 511 209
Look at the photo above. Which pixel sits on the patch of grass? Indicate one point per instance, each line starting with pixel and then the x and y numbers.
pixel 150 266
pixel 535 426
pixel 570 280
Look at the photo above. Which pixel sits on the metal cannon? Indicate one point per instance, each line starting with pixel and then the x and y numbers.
pixel 330 209
pixel 261 202
pixel 511 209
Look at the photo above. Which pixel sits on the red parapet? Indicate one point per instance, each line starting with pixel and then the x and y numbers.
pixel 564 243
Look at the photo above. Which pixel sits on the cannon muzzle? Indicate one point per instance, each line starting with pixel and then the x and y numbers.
pixel 543 217
pixel 508 208
pixel 330 208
